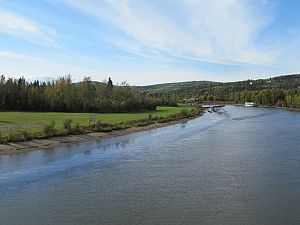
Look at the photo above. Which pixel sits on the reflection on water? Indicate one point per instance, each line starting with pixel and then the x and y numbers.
pixel 237 166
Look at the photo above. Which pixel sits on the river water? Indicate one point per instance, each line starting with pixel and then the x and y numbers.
pixel 240 166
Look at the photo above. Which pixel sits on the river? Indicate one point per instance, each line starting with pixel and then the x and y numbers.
pixel 240 166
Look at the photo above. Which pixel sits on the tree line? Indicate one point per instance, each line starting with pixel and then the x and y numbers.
pixel 201 88
pixel 62 95
pixel 283 91
pixel 269 97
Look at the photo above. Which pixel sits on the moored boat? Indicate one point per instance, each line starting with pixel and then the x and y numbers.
pixel 250 104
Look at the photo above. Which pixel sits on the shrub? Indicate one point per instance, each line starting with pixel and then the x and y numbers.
pixel 77 128
pixel 3 139
pixel 14 135
pixel 164 119
pixel 105 127
pixel 27 135
pixel 155 118
pixel 184 113
pixel 68 124
pixel 117 126
pixel 49 129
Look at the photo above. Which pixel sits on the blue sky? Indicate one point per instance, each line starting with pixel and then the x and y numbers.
pixel 150 41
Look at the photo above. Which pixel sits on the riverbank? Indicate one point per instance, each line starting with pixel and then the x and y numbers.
pixel 52 142
pixel 25 126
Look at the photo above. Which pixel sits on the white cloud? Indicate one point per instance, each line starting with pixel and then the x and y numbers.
pixel 8 54
pixel 27 29
pixel 15 64
pixel 166 38
pixel 222 31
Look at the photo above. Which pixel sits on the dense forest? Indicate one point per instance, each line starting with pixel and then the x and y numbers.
pixel 281 91
pixel 62 95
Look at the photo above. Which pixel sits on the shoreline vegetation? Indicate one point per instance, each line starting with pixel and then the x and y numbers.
pixel 17 140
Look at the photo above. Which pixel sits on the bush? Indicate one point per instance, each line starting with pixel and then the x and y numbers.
pixel 105 127
pixel 14 135
pixel 164 119
pixel 27 135
pixel 3 139
pixel 49 129
pixel 77 129
pixel 68 124
pixel 184 113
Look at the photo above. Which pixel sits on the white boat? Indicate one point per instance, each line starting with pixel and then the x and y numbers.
pixel 250 104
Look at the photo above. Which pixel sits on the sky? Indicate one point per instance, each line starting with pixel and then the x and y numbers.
pixel 149 41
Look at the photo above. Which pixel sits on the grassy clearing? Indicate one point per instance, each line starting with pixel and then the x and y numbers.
pixel 35 121
pixel 27 125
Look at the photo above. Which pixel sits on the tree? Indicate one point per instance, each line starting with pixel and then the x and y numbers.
pixel 110 84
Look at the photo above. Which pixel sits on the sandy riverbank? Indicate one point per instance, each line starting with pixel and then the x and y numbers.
pixel 19 147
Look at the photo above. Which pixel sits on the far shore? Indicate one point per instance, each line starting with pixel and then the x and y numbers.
pixel 52 142
pixel 271 107
pixel 259 106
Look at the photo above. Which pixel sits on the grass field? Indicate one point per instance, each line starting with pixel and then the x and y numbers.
pixel 35 121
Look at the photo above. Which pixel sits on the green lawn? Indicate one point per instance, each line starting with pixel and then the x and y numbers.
pixel 35 121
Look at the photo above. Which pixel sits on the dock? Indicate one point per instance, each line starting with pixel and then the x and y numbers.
pixel 212 106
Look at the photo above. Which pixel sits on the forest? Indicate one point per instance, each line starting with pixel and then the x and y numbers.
pixel 62 95
pixel 283 91
pixel 269 97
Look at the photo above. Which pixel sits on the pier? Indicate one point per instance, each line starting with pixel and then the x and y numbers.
pixel 211 106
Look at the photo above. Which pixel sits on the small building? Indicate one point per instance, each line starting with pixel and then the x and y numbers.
pixel 189 100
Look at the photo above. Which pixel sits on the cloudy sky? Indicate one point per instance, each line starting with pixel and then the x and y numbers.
pixel 150 41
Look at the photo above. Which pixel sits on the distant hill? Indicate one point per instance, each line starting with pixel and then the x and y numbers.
pixel 193 88
pixel 93 82
pixel 179 86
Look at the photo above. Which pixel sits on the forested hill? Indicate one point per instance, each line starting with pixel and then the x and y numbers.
pixel 281 91
pixel 209 87
pixel 177 87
